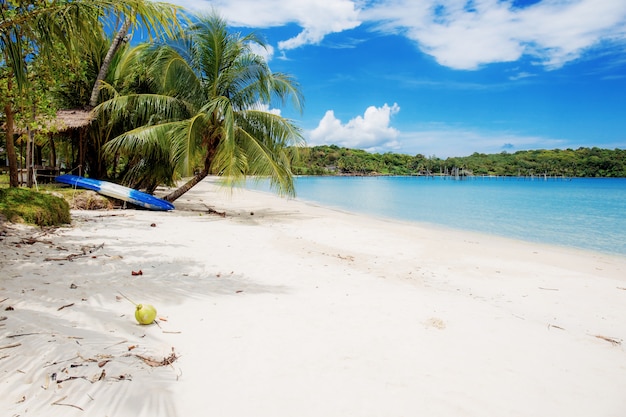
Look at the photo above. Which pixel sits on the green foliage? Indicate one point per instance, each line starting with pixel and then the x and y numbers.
pixel 582 162
pixel 202 111
pixel 33 207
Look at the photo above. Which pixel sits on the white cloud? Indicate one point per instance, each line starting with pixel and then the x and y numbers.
pixel 467 34
pixel 317 18
pixel 371 132
pixel 460 34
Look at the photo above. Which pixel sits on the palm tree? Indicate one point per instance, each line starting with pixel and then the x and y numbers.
pixel 208 110
pixel 38 26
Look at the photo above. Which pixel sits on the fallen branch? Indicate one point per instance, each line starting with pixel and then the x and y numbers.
pixel 10 346
pixel 62 307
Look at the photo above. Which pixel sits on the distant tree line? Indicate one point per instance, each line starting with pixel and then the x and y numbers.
pixel 581 162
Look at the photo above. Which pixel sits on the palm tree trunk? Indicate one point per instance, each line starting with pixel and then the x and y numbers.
pixel 29 159
pixel 53 152
pixel 11 155
pixel 210 154
pixel 187 186
pixel 104 69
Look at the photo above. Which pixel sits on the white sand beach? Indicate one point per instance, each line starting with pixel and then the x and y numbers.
pixel 282 308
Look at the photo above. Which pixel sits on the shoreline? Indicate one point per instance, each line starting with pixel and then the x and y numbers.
pixel 436 227
pixel 556 231
pixel 285 307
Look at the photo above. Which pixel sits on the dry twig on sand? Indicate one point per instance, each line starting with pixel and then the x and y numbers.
pixel 85 252
pixel 614 342
pixel 168 360
pixel 58 402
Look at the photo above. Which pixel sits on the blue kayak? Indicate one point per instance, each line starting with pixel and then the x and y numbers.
pixel 117 191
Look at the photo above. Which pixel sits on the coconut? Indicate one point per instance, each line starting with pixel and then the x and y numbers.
pixel 145 313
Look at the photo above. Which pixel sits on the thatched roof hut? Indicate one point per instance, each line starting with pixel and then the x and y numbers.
pixel 72 119
pixel 65 120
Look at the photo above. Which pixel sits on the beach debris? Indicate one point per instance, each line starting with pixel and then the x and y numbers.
pixel 612 341
pixel 11 336
pixel 104 362
pixel 9 308
pixel 166 361
pixel 436 322
pixel 548 289
pixel 555 326
pixel 85 251
pixel 153 225
pixel 10 346
pixel 66 305
pixel 58 402
pixel 73 286
pixel 213 211
pixel 136 273
pixel 33 240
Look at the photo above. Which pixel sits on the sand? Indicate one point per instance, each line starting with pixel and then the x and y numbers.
pixel 285 308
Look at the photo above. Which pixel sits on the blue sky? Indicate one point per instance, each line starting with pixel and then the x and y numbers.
pixel 447 77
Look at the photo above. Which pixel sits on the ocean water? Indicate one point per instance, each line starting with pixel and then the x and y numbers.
pixel 586 213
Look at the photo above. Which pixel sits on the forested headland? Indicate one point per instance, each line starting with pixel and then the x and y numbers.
pixel 581 162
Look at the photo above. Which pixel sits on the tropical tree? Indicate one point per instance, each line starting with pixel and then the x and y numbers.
pixel 208 111
pixel 39 26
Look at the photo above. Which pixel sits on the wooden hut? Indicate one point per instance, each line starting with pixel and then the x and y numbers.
pixel 72 122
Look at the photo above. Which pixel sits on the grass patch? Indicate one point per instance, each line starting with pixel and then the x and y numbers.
pixel 23 205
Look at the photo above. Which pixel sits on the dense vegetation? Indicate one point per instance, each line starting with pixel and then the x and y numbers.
pixel 33 207
pixel 192 101
pixel 582 162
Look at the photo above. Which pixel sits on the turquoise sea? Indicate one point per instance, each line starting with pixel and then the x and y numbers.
pixel 587 213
